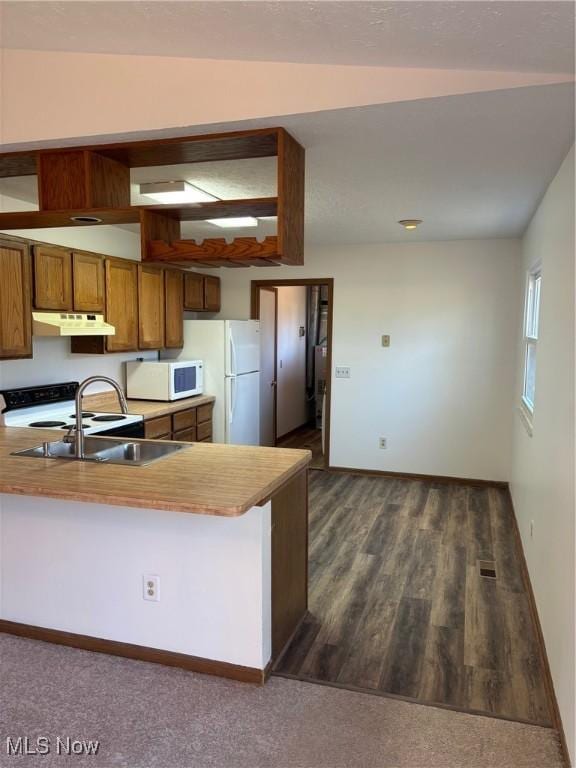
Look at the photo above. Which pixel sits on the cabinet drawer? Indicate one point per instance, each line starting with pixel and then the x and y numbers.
pixel 205 440
pixel 204 431
pixel 158 427
pixel 186 435
pixel 204 413
pixel 184 419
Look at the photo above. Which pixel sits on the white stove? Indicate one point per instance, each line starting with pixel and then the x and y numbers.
pixel 50 407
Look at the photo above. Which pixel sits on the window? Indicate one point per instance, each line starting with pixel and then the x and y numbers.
pixel 531 319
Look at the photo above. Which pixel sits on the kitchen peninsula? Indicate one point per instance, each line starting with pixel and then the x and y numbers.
pixel 220 530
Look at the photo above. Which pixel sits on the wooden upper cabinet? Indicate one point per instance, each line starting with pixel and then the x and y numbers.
pixel 88 282
pixel 151 327
pixel 201 292
pixel 174 299
pixel 193 292
pixel 122 304
pixel 52 278
pixel 211 293
pixel 15 300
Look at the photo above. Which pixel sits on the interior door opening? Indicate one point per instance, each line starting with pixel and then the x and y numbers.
pixel 296 352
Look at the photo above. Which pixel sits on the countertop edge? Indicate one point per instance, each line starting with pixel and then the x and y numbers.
pixel 18 489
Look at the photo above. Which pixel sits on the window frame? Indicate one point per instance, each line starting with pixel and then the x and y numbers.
pixel 531 323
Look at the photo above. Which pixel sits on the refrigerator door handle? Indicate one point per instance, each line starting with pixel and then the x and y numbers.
pixel 232 353
pixel 232 399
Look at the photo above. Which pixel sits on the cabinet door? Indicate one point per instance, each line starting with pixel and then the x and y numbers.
pixel 185 436
pixel 15 300
pixel 88 282
pixel 174 297
pixel 193 292
pixel 211 293
pixel 122 304
pixel 52 278
pixel 151 305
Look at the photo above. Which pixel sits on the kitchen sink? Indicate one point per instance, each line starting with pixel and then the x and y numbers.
pixel 109 450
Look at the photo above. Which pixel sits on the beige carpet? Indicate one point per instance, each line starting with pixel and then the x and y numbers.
pixel 146 715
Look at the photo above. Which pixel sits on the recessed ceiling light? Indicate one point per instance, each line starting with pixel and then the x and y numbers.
pixel 410 223
pixel 241 221
pixel 86 219
pixel 174 192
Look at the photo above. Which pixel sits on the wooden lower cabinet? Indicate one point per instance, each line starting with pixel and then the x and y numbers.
pixel 187 425
pixel 186 435
pixel 15 300
pixel 158 427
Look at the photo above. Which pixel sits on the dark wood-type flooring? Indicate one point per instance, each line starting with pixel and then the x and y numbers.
pixel 397 604
pixel 309 438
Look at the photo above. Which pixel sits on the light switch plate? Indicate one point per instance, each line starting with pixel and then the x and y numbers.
pixel 342 372
pixel 386 340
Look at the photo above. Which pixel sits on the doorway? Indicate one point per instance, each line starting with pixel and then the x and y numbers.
pixel 296 332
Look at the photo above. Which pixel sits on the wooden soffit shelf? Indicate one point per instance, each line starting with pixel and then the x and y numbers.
pixel 221 209
pixel 235 145
pixel 88 185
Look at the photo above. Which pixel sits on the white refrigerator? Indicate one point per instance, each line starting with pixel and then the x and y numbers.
pixel 230 351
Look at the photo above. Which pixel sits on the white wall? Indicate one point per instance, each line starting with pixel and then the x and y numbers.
pixel 442 392
pixel 543 464
pixel 291 361
pixel 82 567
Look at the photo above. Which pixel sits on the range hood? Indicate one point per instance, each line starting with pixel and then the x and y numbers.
pixel 70 324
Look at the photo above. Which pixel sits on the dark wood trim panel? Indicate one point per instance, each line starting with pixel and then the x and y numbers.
pixel 138 652
pixel 414 476
pixel 289 544
pixel 232 145
pixel 255 286
pixel 552 700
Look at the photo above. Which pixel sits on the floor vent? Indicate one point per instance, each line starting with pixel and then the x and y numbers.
pixel 487 569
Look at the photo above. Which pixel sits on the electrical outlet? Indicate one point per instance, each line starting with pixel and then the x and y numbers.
pixel 342 372
pixel 383 443
pixel 151 587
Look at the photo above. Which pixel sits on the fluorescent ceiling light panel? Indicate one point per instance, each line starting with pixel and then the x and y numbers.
pixel 174 192
pixel 241 221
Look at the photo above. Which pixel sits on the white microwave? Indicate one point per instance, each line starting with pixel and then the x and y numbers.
pixel 163 379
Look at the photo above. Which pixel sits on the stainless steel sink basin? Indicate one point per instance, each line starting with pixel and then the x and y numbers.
pixel 109 450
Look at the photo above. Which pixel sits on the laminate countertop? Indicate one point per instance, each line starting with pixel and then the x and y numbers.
pixel 206 478
pixel 108 402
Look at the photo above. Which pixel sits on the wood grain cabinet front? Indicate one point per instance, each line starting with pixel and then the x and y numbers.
pixel 88 282
pixel 15 300
pixel 211 293
pixel 185 436
pixel 52 278
pixel 201 292
pixel 193 292
pixel 157 428
pixel 174 302
pixel 122 304
pixel 151 324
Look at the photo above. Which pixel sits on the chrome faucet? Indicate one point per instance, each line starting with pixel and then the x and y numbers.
pixel 79 437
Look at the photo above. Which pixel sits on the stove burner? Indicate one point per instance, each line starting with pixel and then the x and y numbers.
pixel 47 424
pixel 109 417
pixel 85 415
pixel 73 426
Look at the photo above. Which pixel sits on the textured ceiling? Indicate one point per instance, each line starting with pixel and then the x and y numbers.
pixel 518 36
pixel 471 166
